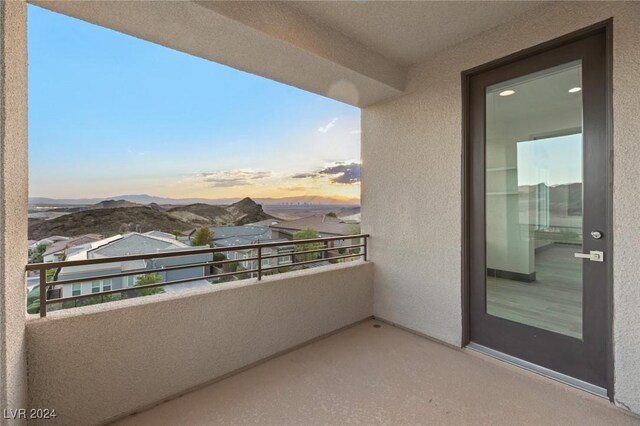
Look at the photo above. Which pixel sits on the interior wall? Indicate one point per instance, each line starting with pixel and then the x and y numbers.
pixel 13 203
pixel 98 362
pixel 412 192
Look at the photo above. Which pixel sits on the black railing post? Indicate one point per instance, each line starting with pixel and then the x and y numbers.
pixel 259 263
pixel 365 249
pixel 43 293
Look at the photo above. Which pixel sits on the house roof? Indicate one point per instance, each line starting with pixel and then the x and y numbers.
pixel 322 223
pixel 266 222
pixel 134 243
pixel 241 241
pixel 161 234
pixel 354 218
pixel 65 244
pixel 52 239
pixel 85 249
pixel 129 244
pixel 102 268
pixel 244 231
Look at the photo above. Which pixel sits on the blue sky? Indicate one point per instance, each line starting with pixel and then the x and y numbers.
pixel 111 114
pixel 545 161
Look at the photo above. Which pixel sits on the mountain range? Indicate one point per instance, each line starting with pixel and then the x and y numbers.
pixel 113 217
pixel 151 199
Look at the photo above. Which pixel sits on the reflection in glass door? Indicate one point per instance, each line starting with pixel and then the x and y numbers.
pixel 533 199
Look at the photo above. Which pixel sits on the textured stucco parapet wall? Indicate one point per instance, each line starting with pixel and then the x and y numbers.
pixel 100 362
pixel 415 142
pixel 13 202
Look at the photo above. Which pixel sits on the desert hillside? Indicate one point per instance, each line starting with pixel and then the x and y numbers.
pixel 130 217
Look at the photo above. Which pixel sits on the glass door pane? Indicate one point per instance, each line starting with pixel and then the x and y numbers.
pixel 534 199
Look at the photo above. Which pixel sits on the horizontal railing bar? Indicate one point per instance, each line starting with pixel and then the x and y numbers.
pixel 310 240
pixel 142 287
pixel 67 263
pixel 144 271
pixel 190 265
pixel 117 259
pixel 311 261
pixel 295 253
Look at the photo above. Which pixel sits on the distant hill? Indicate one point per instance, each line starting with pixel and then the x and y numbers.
pixel 129 217
pixel 107 204
pixel 145 199
pixel 239 213
pixel 108 222
pixel 112 204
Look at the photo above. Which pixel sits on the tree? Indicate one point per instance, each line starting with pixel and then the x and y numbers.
pixel 34 307
pixel 176 233
pixel 38 252
pixel 33 300
pixel 148 279
pixel 354 230
pixel 51 273
pixel 331 214
pixel 203 237
pixel 306 234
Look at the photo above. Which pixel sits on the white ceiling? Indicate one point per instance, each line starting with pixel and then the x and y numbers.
pixel 540 99
pixel 408 32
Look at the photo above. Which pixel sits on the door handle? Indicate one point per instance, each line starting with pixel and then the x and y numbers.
pixel 593 255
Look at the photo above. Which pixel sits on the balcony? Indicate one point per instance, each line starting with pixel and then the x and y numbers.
pixel 375 373
pixel 294 348
pixel 302 347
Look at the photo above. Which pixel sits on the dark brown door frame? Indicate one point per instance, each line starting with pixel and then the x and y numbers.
pixel 605 27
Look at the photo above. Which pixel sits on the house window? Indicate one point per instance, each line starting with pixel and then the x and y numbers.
pixel 284 259
pixel 100 285
pixel 76 289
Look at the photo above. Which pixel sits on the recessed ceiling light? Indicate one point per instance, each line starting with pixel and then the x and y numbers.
pixel 575 89
pixel 507 92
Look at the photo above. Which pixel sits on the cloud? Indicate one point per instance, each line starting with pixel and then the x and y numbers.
pixel 229 178
pixel 328 126
pixel 343 173
pixel 340 173
pixel 304 175
pixel 356 132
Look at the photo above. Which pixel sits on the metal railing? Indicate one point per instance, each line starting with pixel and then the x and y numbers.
pixel 260 270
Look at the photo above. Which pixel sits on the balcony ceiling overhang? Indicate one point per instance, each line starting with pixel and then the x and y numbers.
pixel 356 52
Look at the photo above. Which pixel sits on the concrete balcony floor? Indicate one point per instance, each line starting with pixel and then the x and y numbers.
pixel 368 375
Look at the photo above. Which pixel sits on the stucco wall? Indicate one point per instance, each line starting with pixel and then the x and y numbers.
pixel 101 361
pixel 13 202
pixel 411 201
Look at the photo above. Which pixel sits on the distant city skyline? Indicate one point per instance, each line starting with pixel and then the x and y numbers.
pixel 112 114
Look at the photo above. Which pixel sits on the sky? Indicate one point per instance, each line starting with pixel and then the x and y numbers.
pixel 110 114
pixel 545 161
